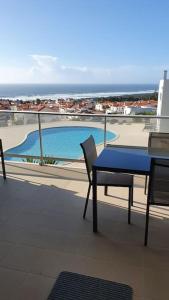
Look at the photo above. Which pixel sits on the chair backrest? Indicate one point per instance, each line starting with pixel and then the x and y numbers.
pixel 158 192
pixel 90 154
pixel 158 143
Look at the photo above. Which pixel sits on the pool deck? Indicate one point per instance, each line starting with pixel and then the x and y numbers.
pixel 42 233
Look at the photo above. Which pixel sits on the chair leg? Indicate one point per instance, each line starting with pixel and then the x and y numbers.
pixel 145 187
pixel 106 190
pixel 130 201
pixel 131 196
pixel 147 223
pixel 86 203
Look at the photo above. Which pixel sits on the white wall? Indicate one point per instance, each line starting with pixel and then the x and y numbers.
pixel 163 98
pixel 163 105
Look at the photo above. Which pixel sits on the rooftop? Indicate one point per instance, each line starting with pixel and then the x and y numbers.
pixel 42 233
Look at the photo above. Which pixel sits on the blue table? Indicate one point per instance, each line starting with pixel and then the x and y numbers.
pixel 119 159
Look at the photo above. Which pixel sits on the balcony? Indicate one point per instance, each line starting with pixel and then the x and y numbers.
pixel 42 231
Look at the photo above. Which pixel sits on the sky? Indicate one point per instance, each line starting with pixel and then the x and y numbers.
pixel 83 41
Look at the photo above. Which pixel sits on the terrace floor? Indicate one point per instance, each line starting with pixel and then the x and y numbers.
pixel 42 233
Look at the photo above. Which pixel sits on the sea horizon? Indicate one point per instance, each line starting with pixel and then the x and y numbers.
pixel 52 91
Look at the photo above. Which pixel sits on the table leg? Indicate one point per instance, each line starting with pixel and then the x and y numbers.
pixel 94 200
pixel 2 160
pixel 145 187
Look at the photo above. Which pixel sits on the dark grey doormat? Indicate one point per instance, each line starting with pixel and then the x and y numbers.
pixel 73 286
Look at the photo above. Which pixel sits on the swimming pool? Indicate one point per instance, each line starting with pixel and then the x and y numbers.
pixel 59 141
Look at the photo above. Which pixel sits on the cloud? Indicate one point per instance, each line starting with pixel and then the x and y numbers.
pixel 43 62
pixel 81 69
pixel 49 69
pixel 43 68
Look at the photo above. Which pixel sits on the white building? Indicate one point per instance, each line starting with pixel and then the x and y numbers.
pixel 135 110
pixel 115 110
pixel 111 110
pixel 99 107
pixel 120 109
pixel 163 103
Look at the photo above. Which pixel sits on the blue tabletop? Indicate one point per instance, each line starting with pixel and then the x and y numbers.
pixel 126 160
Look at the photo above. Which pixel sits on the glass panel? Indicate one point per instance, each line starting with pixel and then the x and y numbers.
pixel 63 134
pixel 133 131
pixel 17 131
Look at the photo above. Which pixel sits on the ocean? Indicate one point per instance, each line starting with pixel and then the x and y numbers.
pixel 54 91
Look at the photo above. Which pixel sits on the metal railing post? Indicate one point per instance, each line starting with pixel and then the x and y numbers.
pixel 40 141
pixel 105 128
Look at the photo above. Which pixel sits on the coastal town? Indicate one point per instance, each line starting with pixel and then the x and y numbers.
pixel 126 105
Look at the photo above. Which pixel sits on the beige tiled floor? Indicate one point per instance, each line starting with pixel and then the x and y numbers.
pixel 42 233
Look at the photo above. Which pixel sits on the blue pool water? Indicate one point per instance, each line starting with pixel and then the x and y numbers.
pixel 59 141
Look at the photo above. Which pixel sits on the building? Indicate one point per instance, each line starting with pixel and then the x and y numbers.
pixel 135 110
pixel 163 103
pixel 99 107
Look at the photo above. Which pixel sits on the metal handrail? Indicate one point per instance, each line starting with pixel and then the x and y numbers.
pixel 85 115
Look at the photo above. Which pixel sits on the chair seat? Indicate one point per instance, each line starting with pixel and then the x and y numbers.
pixel 114 179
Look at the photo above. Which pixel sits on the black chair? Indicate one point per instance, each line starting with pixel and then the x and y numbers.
pixel 158 144
pixel 158 190
pixel 104 178
pixel 2 160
